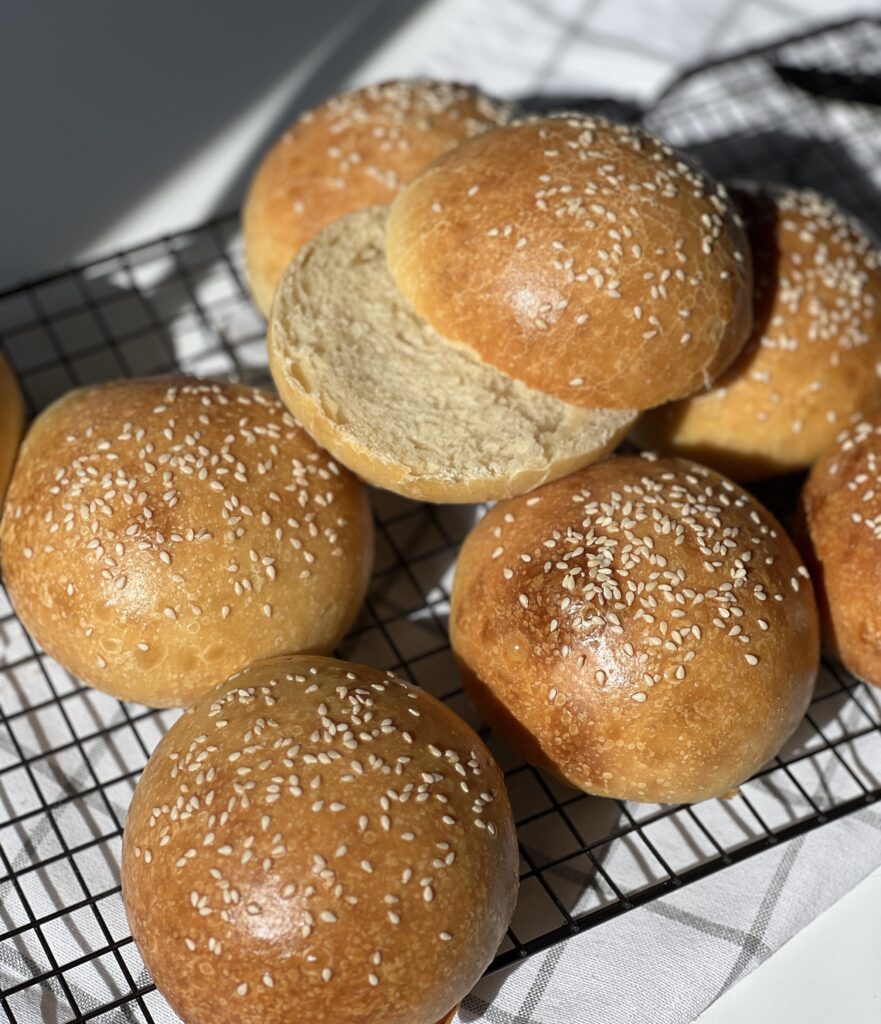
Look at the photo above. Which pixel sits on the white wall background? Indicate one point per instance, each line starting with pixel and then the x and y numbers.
pixel 121 119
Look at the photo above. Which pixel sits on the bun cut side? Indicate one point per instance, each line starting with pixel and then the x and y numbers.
pixel 606 270
pixel 642 629
pixel 353 151
pixel 318 841
pixel 161 533
pixel 397 403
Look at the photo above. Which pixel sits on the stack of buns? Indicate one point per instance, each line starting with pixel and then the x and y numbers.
pixel 503 322
pixel 462 306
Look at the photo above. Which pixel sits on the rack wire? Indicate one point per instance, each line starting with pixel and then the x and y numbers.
pixel 70 757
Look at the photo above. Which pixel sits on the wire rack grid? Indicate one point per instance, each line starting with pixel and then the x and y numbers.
pixel 70 757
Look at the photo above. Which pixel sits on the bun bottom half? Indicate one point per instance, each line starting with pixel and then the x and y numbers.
pixel 398 403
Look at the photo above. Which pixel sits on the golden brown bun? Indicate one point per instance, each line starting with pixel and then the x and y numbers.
pixel 841 515
pixel 161 533
pixel 318 842
pixel 394 401
pixel 353 151
pixel 584 258
pixel 11 422
pixel 814 358
pixel 642 628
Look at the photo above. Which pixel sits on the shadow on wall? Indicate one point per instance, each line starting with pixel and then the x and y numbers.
pixel 102 101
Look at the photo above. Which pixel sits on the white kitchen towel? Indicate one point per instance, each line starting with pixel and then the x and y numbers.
pixel 666 962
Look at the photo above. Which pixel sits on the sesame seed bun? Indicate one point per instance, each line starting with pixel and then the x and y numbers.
pixel 353 151
pixel 841 524
pixel 587 259
pixel 161 533
pixel 318 841
pixel 11 422
pixel 643 629
pixel 814 358
pixel 394 401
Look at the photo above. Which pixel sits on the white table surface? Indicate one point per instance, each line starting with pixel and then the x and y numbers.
pixel 829 973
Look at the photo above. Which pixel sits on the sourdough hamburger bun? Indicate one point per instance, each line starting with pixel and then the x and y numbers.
pixel 585 258
pixel 841 523
pixel 814 358
pixel 11 422
pixel 643 629
pixel 353 151
pixel 394 401
pixel 161 533
pixel 319 842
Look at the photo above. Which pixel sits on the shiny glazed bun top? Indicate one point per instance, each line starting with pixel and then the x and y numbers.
pixel 161 533
pixel 586 258
pixel 356 150
pixel 319 842
pixel 642 628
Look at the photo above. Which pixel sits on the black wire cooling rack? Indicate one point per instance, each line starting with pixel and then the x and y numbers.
pixel 70 757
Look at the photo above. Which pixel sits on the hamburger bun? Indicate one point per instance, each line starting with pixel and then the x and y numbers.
pixel 585 258
pixel 643 629
pixel 394 401
pixel 11 422
pixel 353 151
pixel 161 533
pixel 814 358
pixel 841 524
pixel 316 841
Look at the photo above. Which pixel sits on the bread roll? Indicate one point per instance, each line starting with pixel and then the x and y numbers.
pixel 814 358
pixel 353 151
pixel 11 422
pixel 643 629
pixel 841 517
pixel 318 841
pixel 161 533
pixel 391 399
pixel 585 258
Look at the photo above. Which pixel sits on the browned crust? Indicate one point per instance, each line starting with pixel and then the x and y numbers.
pixel 276 844
pixel 814 358
pixel 353 151
pixel 11 422
pixel 841 503
pixel 661 699
pixel 161 533
pixel 598 293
